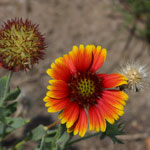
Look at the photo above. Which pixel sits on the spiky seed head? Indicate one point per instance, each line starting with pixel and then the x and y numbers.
pixel 138 76
pixel 21 44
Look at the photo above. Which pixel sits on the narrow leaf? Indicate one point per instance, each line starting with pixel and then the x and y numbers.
pixel 2 128
pixel 11 108
pixel 2 114
pixel 3 81
pixel 13 94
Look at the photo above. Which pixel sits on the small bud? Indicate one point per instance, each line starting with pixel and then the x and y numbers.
pixel 21 44
pixel 138 77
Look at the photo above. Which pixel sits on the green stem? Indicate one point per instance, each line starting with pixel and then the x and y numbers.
pixel 84 138
pixel 7 83
pixel 19 145
pixel 67 141
pixel 53 144
pixel 43 142
pixel 7 86
pixel 21 142
pixel 1 148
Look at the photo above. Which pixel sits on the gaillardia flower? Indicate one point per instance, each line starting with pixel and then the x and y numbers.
pixel 21 44
pixel 81 94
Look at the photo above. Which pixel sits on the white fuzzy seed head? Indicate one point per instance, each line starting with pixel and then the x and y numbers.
pixel 138 76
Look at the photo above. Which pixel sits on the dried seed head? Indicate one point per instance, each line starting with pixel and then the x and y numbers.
pixel 21 44
pixel 138 76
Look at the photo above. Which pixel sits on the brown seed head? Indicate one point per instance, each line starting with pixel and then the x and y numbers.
pixel 21 44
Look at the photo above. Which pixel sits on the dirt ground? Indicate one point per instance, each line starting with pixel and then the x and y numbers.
pixel 72 22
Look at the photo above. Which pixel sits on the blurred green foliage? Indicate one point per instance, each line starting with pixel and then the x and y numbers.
pixel 137 14
pixel 8 106
pixel 139 7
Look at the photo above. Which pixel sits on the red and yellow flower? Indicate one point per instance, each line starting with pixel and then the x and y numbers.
pixel 82 94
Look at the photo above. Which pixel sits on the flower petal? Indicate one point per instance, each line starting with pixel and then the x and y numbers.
pixel 91 119
pixel 99 55
pixel 59 70
pixel 81 124
pixel 110 104
pixel 81 57
pixel 115 112
pixel 58 89
pixel 56 105
pixel 115 96
pixel 96 119
pixel 110 97
pixel 73 117
pixel 69 62
pixel 70 114
pixel 102 121
pixel 112 80
pixel 106 113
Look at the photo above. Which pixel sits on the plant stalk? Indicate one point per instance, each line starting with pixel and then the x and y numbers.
pixel 43 142
pixel 53 144
pixel 7 87
pixel 81 139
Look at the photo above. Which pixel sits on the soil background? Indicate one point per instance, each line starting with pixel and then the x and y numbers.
pixel 72 22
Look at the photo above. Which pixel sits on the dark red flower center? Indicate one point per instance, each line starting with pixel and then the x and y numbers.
pixel 85 88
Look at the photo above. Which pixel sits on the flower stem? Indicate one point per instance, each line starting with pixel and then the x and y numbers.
pixel 19 145
pixel 42 142
pixel 53 124
pixel 7 83
pixel 67 141
pixel 53 144
pixel 84 138
pixel 7 86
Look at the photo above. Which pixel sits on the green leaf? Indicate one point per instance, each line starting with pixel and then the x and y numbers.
pixel 9 120
pixel 62 138
pixel 11 108
pixel 112 131
pixel 38 133
pixel 14 123
pixel 8 130
pixel 18 122
pixel 116 140
pixel 2 114
pixel 48 139
pixel 3 81
pixel 20 145
pixel 13 94
pixel 2 127
pixel 5 126
pixel 56 137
